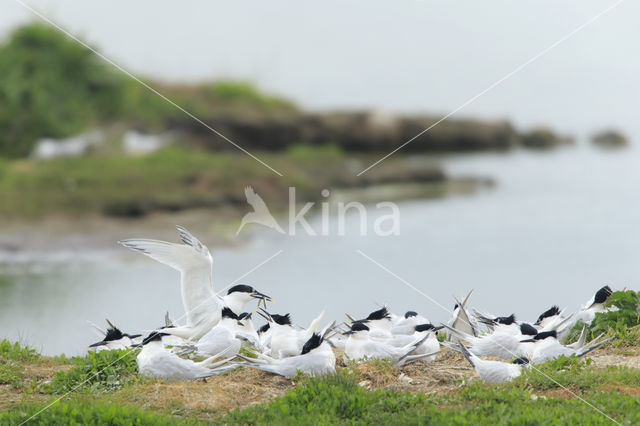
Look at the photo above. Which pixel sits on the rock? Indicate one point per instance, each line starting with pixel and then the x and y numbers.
pixel 542 137
pixel 609 139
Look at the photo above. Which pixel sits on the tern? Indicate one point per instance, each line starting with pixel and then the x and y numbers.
pixel 594 305
pixel 379 323
pixel 360 347
pixel 316 359
pixel 194 262
pixel 220 339
pixel 460 319
pixel 495 371
pixel 429 346
pixel 283 339
pixel 499 345
pixel 407 323
pixel 155 361
pixel 239 295
pixel 114 339
pixel 547 347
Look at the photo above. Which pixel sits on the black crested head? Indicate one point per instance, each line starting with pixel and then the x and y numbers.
pixel 281 319
pixel 240 288
pixel 314 341
pixel 359 326
pixel 545 334
pixel 521 360
pixel 528 329
pixel 264 328
pixel 113 333
pixel 410 314
pixel 244 315
pixel 228 313
pixel 379 314
pixel 424 327
pixel 602 295
pixel 153 337
pixel 506 320
pixel 552 311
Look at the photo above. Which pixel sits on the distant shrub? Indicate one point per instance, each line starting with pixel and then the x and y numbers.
pixel 106 370
pixel 51 86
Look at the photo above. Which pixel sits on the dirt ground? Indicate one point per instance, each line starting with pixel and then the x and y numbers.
pixel 217 395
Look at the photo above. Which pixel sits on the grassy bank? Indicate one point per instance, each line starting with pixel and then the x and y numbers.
pixel 105 389
pixel 178 178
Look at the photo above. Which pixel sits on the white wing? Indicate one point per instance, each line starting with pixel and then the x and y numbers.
pixel 195 266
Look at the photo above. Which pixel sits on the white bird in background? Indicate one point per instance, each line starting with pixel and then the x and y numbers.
pixel 156 361
pixel 549 317
pixel 547 347
pixel 315 359
pixel 429 346
pixel 281 339
pixel 407 323
pixel 495 371
pixel 379 323
pixel 113 338
pixel 594 305
pixel 260 214
pixel 360 347
pixel 460 319
pixel 221 338
pixel 499 345
pixel 194 262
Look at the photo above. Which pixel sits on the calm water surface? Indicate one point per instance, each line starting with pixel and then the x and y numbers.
pixel 555 227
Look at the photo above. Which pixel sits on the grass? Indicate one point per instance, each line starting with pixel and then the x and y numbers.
pixel 86 413
pixel 339 400
pixel 97 372
pixel 118 396
pixel 172 179
pixel 16 352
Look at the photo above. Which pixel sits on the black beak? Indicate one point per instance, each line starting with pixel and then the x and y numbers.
pixel 136 345
pixel 257 295
pixel 133 336
pixel 528 341
pixel 438 328
pixel 264 314
pixel 346 333
pixel 97 344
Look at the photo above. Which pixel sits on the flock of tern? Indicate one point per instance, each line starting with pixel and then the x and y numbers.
pixel 219 335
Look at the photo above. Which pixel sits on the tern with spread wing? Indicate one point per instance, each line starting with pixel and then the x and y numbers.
pixel 194 262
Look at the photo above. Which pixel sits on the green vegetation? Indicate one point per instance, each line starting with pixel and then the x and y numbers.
pixel 86 413
pixel 172 179
pixel 101 371
pixel 108 391
pixel 339 400
pixel 51 86
pixel 622 322
pixel 16 352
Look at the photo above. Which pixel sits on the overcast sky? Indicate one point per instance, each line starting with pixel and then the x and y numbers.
pixel 410 56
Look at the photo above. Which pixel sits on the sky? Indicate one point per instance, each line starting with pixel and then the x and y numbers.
pixel 404 57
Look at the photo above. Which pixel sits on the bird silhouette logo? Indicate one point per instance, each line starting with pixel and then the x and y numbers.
pixel 260 214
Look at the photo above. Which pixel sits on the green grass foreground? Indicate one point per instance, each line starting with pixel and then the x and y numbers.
pixel 103 386
pixel 340 400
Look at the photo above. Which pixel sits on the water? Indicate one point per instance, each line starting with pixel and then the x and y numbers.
pixel 557 226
